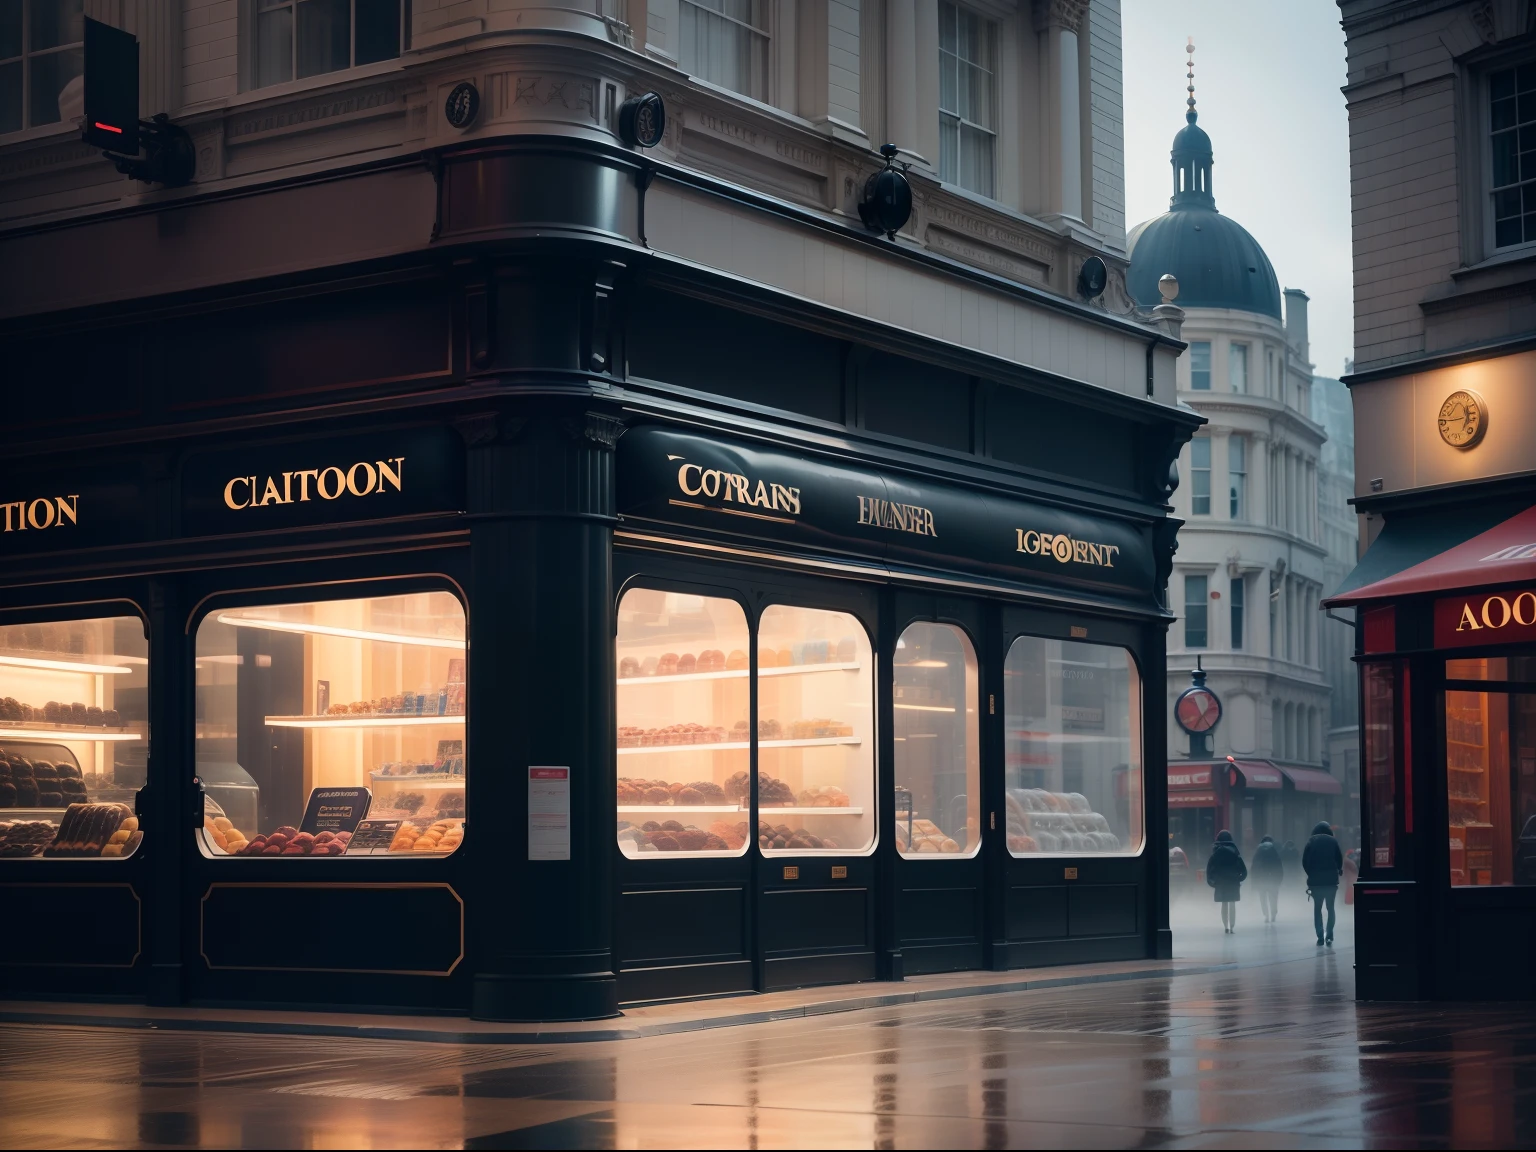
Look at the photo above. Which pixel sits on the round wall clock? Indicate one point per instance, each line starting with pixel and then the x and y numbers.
pixel 462 105
pixel 1463 419
pixel 1197 710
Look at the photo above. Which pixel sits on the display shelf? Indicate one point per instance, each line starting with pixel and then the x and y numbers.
pixel 701 809
pixel 305 629
pixel 52 733
pixel 810 811
pixel 53 814
pixel 381 720
pixel 740 673
pixel 739 745
pixel 63 665
pixel 421 781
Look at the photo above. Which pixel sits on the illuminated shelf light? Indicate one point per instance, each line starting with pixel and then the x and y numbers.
pixel 63 665
pixel 740 673
pixel 384 721
pixel 924 707
pixel 346 633
pixel 741 745
pixel 808 811
pixel 700 809
pixel 53 734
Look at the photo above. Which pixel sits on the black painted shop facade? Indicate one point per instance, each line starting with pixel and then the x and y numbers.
pixel 362 528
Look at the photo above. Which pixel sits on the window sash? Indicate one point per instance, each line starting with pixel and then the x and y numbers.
pixel 1200 365
pixel 1196 611
pixel 283 31
pixel 19 101
pixel 1511 167
pixel 1237 367
pixel 967 99
pixel 1238 592
pixel 1200 476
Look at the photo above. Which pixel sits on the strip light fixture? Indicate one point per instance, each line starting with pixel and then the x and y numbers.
pixel 347 633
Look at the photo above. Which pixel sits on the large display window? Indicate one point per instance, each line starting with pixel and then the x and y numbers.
pixel 684 702
pixel 74 737
pixel 816 735
pixel 1072 713
pixel 333 728
pixel 1490 762
pixel 938 756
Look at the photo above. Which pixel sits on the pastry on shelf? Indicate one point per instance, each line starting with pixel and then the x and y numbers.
pixel 774 793
pixel 736 661
pixel 783 836
pixel 26 837
pixel 667 665
pixel 824 796
pixel 629 667
pixel 87 828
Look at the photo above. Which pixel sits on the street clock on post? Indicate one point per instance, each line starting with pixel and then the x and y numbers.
pixel 1197 710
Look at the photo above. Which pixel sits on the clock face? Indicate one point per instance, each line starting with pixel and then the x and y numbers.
pixel 462 105
pixel 1463 419
pixel 1197 710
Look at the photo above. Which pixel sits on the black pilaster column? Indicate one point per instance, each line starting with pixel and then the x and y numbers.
pixel 541 694
pixel 165 809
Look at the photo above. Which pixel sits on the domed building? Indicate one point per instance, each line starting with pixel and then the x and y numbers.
pixel 1250 565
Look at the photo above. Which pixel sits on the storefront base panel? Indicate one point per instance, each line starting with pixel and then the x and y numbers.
pixel 95 927
pixel 785 972
pixel 1048 953
pixel 681 928
pixel 1043 912
pixel 684 981
pixel 926 959
pixel 1489 953
pixel 1386 942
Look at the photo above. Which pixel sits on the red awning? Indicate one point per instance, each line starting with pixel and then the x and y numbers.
pixel 1257 773
pixel 1186 776
pixel 1504 554
pixel 1311 780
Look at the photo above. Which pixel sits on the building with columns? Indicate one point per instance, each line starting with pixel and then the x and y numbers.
pixel 517 385
pixel 1250 566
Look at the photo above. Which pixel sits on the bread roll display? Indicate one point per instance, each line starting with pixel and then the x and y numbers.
pixel 1059 823
pixel 86 829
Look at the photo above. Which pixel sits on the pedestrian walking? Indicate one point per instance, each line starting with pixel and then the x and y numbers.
pixel 1268 871
pixel 1323 862
pixel 1225 872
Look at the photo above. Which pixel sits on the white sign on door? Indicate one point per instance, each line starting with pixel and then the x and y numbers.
pixel 549 813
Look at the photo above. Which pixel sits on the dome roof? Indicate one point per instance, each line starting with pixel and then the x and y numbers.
pixel 1217 263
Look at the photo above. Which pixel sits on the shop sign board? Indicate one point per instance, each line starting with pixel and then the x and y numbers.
pixel 743 490
pixel 335 809
pixel 1476 619
pixel 297 483
pixel 80 508
pixel 549 813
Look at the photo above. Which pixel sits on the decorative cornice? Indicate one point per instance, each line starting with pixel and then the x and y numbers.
pixel 1064 14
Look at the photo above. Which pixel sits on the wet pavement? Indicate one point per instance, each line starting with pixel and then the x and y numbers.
pixel 1274 1053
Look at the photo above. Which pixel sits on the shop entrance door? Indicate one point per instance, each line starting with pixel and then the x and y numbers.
pixel 937 705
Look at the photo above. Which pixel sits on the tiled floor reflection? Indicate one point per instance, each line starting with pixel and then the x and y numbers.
pixel 1277 1055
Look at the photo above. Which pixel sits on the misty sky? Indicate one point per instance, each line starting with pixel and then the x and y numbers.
pixel 1267 80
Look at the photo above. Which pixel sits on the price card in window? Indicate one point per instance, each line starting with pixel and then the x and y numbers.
pixel 549 813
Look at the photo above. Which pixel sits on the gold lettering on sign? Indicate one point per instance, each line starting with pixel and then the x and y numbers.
pixel 897 517
pixel 1065 550
pixel 331 483
pixel 39 513
pixel 1497 612
pixel 734 488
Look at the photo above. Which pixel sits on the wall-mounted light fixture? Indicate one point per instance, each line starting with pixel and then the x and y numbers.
pixel 886 205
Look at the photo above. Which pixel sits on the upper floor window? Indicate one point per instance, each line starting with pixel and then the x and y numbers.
pixel 298 38
pixel 41 53
pixel 1200 365
pixel 726 43
pixel 1237 367
pixel 1196 611
pixel 1237 475
pixel 967 124
pixel 1512 122
pixel 1200 476
pixel 1238 606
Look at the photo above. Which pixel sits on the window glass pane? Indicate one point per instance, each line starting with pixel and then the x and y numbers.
pixel 938 760
pixel 74 737
pixel 1237 475
pixel 1196 610
pixel 1237 367
pixel 274 47
pixel 719 43
pixel 10 97
pixel 333 728
pixel 1490 759
pixel 325 36
pixel 1239 605
pixel 816 735
pixel 378 30
pixel 949 149
pixel 1200 475
pixel 1377 690
pixel 1200 365
pixel 54 22
pixel 50 75
pixel 1521 669
pixel 1073 738
pixel 683 707
pixel 10 29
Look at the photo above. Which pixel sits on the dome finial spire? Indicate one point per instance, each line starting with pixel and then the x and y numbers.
pixel 1189 49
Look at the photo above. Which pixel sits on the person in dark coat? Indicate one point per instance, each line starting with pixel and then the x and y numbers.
pixel 1225 872
pixel 1323 862
pixel 1268 871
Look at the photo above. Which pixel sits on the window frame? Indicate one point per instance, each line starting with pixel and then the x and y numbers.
pixel 1204 604
pixel 974 752
pixel 330 591
pixel 250 54
pixel 1237 353
pixel 1197 472
pixel 1237 612
pixel 992 32
pixel 1237 477
pixel 1483 87
pixel 763 50
pixel 23 60
pixel 1197 375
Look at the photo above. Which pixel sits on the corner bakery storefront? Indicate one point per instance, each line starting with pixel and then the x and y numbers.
pixel 745 714
pixel 1447 651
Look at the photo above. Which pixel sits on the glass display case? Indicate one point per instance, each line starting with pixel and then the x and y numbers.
pixel 815 734
pixel 1490 775
pixel 1072 714
pixel 938 759
pixel 74 737
pixel 684 698
pixel 333 728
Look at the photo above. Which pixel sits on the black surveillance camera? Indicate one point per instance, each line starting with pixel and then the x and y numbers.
pixel 886 205
pixel 1091 278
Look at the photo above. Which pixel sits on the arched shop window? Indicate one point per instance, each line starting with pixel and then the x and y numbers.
pixel 74 737
pixel 1073 740
pixel 684 698
pixel 938 760
pixel 332 728
pixel 816 734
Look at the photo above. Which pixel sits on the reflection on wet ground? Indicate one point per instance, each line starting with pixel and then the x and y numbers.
pixel 1276 1054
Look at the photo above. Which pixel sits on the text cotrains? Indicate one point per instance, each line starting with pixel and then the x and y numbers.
pixel 306 484
pixel 1065 550
pixel 44 512
pixel 693 480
